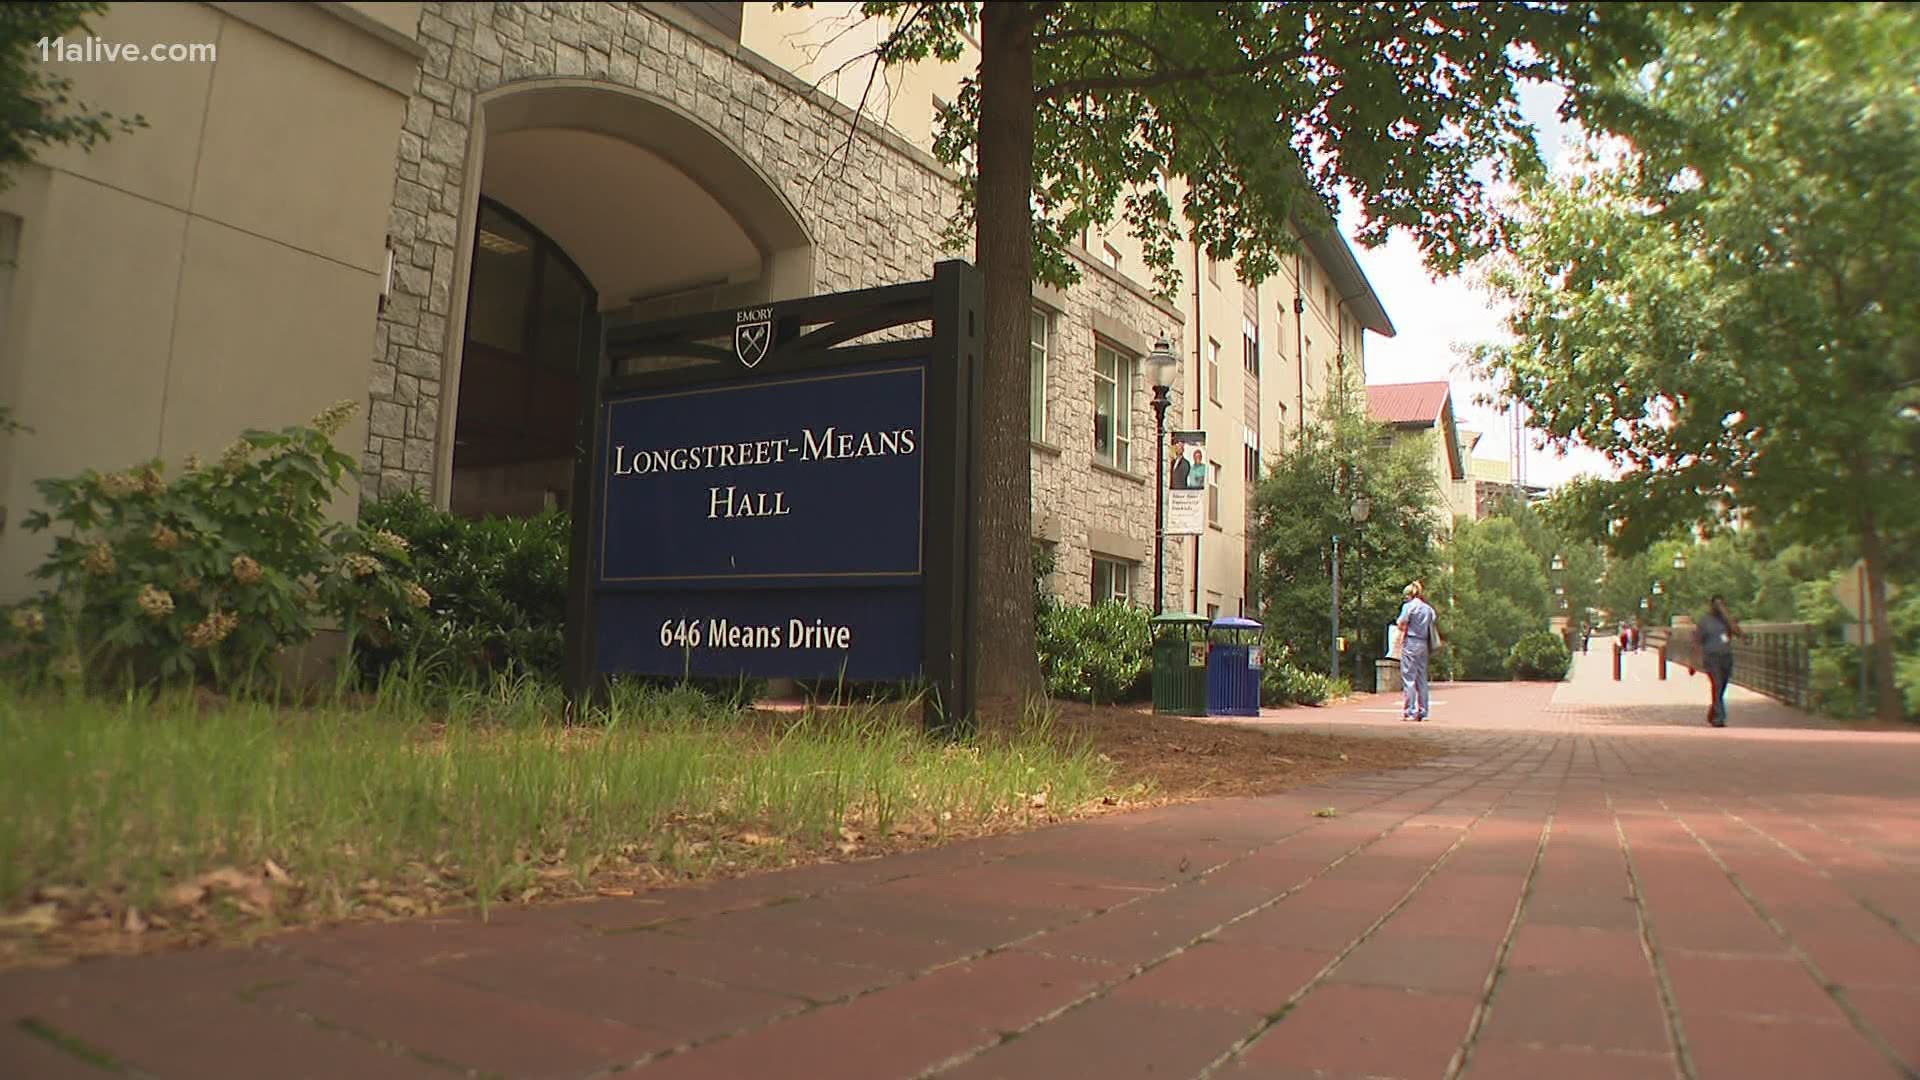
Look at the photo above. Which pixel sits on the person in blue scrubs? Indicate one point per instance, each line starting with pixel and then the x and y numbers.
pixel 1418 636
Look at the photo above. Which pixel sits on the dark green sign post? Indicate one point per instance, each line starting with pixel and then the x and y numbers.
pixel 758 496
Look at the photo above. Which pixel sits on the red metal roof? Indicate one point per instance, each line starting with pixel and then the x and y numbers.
pixel 1420 405
pixel 1407 403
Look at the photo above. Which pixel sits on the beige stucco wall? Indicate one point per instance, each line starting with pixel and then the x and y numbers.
pixel 214 271
pixel 831 46
pixel 1269 406
pixel 1452 499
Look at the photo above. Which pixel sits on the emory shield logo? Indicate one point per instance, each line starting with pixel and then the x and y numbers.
pixel 752 335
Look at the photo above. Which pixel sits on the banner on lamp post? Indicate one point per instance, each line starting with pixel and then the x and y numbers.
pixel 1186 492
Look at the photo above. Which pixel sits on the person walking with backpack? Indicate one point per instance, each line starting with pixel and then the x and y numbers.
pixel 1715 632
pixel 1418 637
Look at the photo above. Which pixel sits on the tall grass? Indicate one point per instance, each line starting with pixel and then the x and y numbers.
pixel 478 789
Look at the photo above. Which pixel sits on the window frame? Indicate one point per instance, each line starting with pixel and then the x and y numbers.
pixel 1213 493
pixel 1213 371
pixel 1119 571
pixel 1119 453
pixel 1037 390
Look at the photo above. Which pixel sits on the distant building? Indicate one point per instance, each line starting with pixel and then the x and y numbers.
pixel 1424 411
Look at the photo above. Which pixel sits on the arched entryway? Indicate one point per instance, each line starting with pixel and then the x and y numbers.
pixel 589 197
pixel 519 390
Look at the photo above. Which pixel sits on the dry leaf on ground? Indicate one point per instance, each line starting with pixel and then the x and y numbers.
pixel 184 895
pixel 37 919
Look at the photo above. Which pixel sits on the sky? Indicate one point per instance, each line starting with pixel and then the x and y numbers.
pixel 1437 319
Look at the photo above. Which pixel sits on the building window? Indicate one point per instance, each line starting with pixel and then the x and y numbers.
pixel 1110 255
pixel 1040 345
pixel 1213 370
pixel 1213 612
pixel 1253 466
pixel 1112 408
pixel 1213 493
pixel 1250 343
pixel 1326 296
pixel 1112 580
pixel 1213 271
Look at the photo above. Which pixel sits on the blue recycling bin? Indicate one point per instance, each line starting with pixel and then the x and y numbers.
pixel 1233 667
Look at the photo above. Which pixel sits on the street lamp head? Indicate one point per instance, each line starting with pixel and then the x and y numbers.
pixel 1656 589
pixel 1679 560
pixel 1559 563
pixel 1361 509
pixel 1161 365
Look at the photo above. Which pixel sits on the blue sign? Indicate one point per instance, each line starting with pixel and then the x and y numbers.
pixel 770 528
pixel 807 479
pixel 862 633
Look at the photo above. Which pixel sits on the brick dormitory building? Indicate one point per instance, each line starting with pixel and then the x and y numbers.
pixel 411 205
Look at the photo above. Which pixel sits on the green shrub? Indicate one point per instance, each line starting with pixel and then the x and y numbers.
pixel 1097 654
pixel 206 577
pixel 1540 655
pixel 499 589
pixel 1833 680
pixel 1906 675
pixel 1285 684
pixel 1282 682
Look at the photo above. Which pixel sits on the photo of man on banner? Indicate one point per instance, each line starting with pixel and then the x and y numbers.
pixel 1187 466
pixel 1186 493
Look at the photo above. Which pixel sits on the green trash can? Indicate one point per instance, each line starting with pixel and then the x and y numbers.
pixel 1180 664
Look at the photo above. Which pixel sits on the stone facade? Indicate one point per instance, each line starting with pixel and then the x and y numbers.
pixel 765 116
pixel 874 207
pixel 1080 506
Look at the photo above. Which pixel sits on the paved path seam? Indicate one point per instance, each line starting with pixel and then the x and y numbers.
pixel 1274 1019
pixel 1835 991
pixel 1102 989
pixel 1463 1057
pixel 1656 960
pixel 1190 881
pixel 1893 922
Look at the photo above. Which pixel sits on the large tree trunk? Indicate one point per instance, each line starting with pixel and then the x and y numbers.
pixel 1008 671
pixel 1873 552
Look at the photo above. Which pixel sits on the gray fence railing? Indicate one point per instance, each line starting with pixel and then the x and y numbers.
pixel 1768 658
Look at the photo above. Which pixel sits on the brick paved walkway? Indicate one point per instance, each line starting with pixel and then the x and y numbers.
pixel 1573 890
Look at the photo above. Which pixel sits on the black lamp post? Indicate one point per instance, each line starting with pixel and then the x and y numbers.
pixel 1559 569
pixel 1359 510
pixel 1162 365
